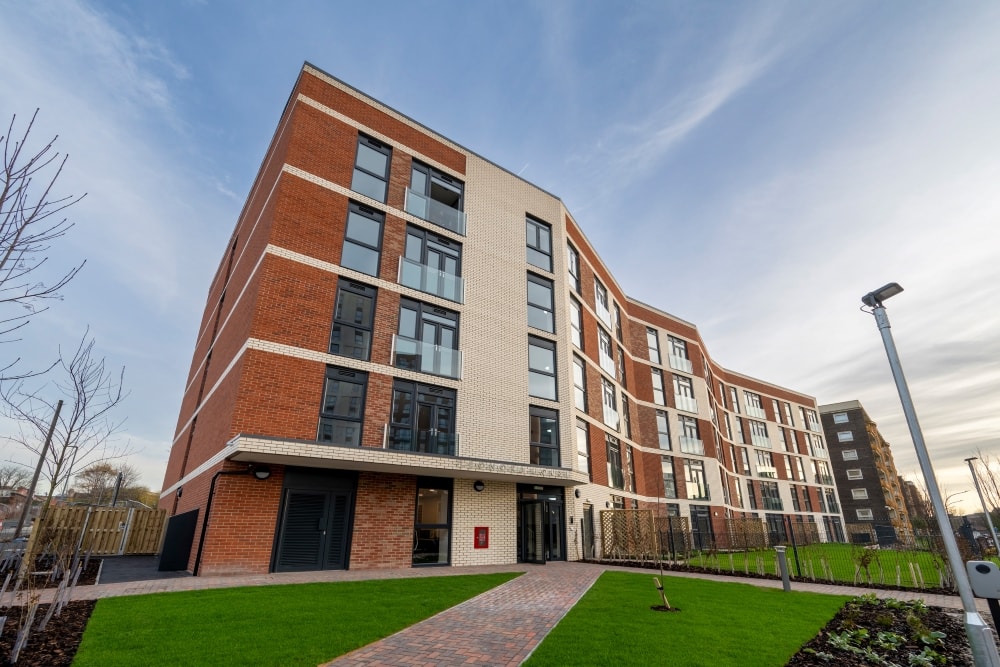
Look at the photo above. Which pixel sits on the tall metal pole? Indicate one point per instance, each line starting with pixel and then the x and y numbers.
pixel 982 501
pixel 38 471
pixel 984 650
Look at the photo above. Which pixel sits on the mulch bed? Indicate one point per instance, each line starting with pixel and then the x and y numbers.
pixel 56 646
pixel 42 578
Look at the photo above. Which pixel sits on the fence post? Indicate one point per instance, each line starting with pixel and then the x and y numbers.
pixel 83 529
pixel 795 551
pixel 128 529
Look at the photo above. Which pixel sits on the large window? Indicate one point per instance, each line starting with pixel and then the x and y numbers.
pixel 576 323
pixel 734 400
pixel 758 434
pixel 343 408
pixel 540 303
pixel 432 522
pixel 765 464
pixel 362 240
pixel 427 340
pixel 855 473
pixel 694 475
pixel 678 355
pixel 352 320
pixel 605 352
pixel 609 403
pixel 371 168
pixel 755 407
pixel 422 419
pixel 432 264
pixel 582 446
pixel 541 368
pixel 770 495
pixel 788 415
pixel 669 481
pixel 663 429
pixel 690 439
pixel 539 244
pixel 653 345
pixel 601 304
pixel 436 197
pixel 740 437
pixel 616 478
pixel 579 384
pixel 544 428
pixel 658 395
pixel 684 394
pixel 622 376
pixel 573 262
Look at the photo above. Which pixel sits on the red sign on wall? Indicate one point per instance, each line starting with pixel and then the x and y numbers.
pixel 482 538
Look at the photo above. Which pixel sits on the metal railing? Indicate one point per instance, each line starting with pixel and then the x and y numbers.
pixel 430 280
pixel 434 211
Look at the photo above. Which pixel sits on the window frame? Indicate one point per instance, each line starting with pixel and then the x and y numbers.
pixel 616 474
pixel 550 346
pixel 378 147
pixel 348 286
pixel 653 345
pixel 538 446
pixel 573 267
pixel 849 454
pixel 550 310
pixel 339 374
pixel 855 473
pixel 538 229
pixel 579 390
pixel 663 430
pixel 576 323
pixel 659 393
pixel 373 215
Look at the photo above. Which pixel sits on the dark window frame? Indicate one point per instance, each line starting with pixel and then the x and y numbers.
pixel 346 285
pixel 535 229
pixel 347 375
pixel 373 215
pixel 550 311
pixel 544 344
pixel 616 474
pixel 536 446
pixel 378 147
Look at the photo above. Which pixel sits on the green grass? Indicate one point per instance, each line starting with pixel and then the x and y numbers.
pixel 303 624
pixel 719 624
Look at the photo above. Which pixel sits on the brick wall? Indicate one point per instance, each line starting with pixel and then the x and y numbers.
pixel 383 521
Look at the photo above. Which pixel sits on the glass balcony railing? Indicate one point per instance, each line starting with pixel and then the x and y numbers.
pixel 760 440
pixel 608 364
pixel 824 479
pixel 432 441
pixel 691 445
pixel 814 426
pixel 434 211
pixel 773 504
pixel 680 363
pixel 603 313
pixel 416 355
pixel 754 411
pixel 611 417
pixel 430 280
pixel 686 403
pixel 767 471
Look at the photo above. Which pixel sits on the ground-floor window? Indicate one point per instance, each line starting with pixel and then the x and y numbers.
pixel 432 522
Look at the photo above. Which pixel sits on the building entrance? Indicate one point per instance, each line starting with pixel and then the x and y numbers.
pixel 316 512
pixel 542 529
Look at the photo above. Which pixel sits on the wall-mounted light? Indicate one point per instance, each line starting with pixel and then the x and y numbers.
pixel 607 504
pixel 180 491
pixel 262 472
pixel 478 486
pixel 576 492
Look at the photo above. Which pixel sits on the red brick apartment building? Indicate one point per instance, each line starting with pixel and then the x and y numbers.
pixel 411 356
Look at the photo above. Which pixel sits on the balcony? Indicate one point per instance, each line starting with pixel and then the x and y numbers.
pixel 434 211
pixel 608 364
pixel 686 403
pixel 824 479
pixel 680 363
pixel 611 417
pixel 416 355
pixel 760 441
pixel 433 441
pixel 767 471
pixel 602 313
pixel 814 426
pixel 772 504
pixel 430 280
pixel 691 445
pixel 832 507
pixel 754 411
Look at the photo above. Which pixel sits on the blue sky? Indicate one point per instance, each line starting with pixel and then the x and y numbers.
pixel 753 168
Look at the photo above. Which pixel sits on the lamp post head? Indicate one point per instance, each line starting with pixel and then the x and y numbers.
pixel 972 458
pixel 874 299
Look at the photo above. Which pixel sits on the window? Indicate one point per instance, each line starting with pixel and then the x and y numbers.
pixel 343 408
pixel 755 408
pixel 601 302
pixel 427 340
pixel 850 454
pixel 658 396
pixel 579 384
pixel 371 168
pixel 784 439
pixel 694 475
pixel 865 514
pixel 777 411
pixel 806 499
pixel 618 323
pixel 544 428
pixel 684 394
pixel 678 354
pixel 539 244
pixel 432 522
pixel 770 496
pixel 422 419
pixel 845 436
pixel 765 464
pixel 622 377
pixel 669 482
pixel 818 449
pixel 740 438
pixel 855 473
pixel 615 478
pixel 751 494
pixel 758 434
pixel 605 353
pixel 734 400
pixel 788 415
pixel 573 262
pixel 352 320
pixel 729 426
pixel 582 446
pixel 435 196
pixel 541 368
pixel 795 498
pixel 840 418
pixel 433 264
pixel 540 303
pixel 690 440
pixel 576 323
pixel 800 468
pixel 362 240
pixel 663 429
pixel 617 503
pixel 859 494
pixel 629 472
pixel 610 405
pixel 626 417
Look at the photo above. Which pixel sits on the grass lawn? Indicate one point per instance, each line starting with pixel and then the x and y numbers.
pixel 719 624
pixel 304 624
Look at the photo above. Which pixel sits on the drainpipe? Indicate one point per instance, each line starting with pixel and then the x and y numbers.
pixel 208 510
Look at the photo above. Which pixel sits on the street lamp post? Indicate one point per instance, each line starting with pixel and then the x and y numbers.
pixel 982 501
pixel 984 650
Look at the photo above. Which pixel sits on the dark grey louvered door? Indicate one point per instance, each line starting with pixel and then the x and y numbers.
pixel 302 531
pixel 336 536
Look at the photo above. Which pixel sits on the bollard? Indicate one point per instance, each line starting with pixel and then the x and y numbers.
pixel 783 566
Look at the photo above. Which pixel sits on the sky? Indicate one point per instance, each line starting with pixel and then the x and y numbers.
pixel 751 167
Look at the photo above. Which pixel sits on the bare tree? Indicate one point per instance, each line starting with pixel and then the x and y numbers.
pixel 988 470
pixel 86 423
pixel 14 476
pixel 30 218
pixel 97 482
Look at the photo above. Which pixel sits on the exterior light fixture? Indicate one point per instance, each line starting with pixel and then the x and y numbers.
pixel 262 472
pixel 478 486
pixel 576 492
pixel 180 491
pixel 984 650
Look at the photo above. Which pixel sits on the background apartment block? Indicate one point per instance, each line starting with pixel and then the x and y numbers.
pixel 871 490
pixel 425 362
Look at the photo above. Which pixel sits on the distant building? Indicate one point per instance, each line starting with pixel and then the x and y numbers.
pixel 871 492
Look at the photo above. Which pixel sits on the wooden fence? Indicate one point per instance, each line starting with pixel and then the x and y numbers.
pixel 104 531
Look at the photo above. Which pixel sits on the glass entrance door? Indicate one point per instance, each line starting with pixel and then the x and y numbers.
pixel 587 531
pixel 542 534
pixel 533 532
